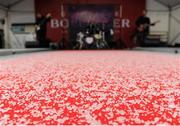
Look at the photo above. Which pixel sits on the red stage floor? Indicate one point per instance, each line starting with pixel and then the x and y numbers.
pixel 90 87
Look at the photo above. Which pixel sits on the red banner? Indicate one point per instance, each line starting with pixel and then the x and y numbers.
pixel 125 14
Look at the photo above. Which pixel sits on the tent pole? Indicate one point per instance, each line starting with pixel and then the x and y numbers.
pixel 7 30
pixel 169 24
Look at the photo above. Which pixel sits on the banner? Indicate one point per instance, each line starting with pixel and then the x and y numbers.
pixel 81 16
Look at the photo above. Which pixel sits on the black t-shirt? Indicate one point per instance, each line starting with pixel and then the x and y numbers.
pixel 42 23
pixel 143 20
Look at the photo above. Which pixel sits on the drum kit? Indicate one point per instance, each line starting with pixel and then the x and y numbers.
pixel 93 41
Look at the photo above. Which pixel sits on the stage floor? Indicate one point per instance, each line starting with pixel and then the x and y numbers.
pixel 159 49
pixel 90 87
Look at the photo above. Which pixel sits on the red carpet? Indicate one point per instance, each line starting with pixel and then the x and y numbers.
pixel 90 87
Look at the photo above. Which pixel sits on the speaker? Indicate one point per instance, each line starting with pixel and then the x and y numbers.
pixel 2 21
pixel 31 44
pixel 177 45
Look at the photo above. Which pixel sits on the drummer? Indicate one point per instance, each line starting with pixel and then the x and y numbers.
pixel 98 37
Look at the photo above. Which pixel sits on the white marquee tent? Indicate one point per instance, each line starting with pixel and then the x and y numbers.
pixel 167 10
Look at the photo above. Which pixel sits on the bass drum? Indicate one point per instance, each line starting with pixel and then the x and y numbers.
pixel 89 40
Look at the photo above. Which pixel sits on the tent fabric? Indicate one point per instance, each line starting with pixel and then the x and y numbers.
pixel 169 3
pixel 8 3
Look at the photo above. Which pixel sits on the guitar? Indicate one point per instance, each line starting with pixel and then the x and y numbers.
pixel 142 27
pixel 37 27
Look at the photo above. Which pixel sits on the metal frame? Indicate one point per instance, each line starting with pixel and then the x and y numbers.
pixel 15 3
pixel 178 34
pixel 176 7
pixel 167 4
pixel 7 24
pixel 10 5
pixel 177 4
pixel 2 7
pixel 161 3
pixel 171 8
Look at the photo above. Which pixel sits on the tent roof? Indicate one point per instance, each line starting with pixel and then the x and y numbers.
pixel 169 3
pixel 9 3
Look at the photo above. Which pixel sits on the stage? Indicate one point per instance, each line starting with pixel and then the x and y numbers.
pixel 170 50
pixel 90 87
